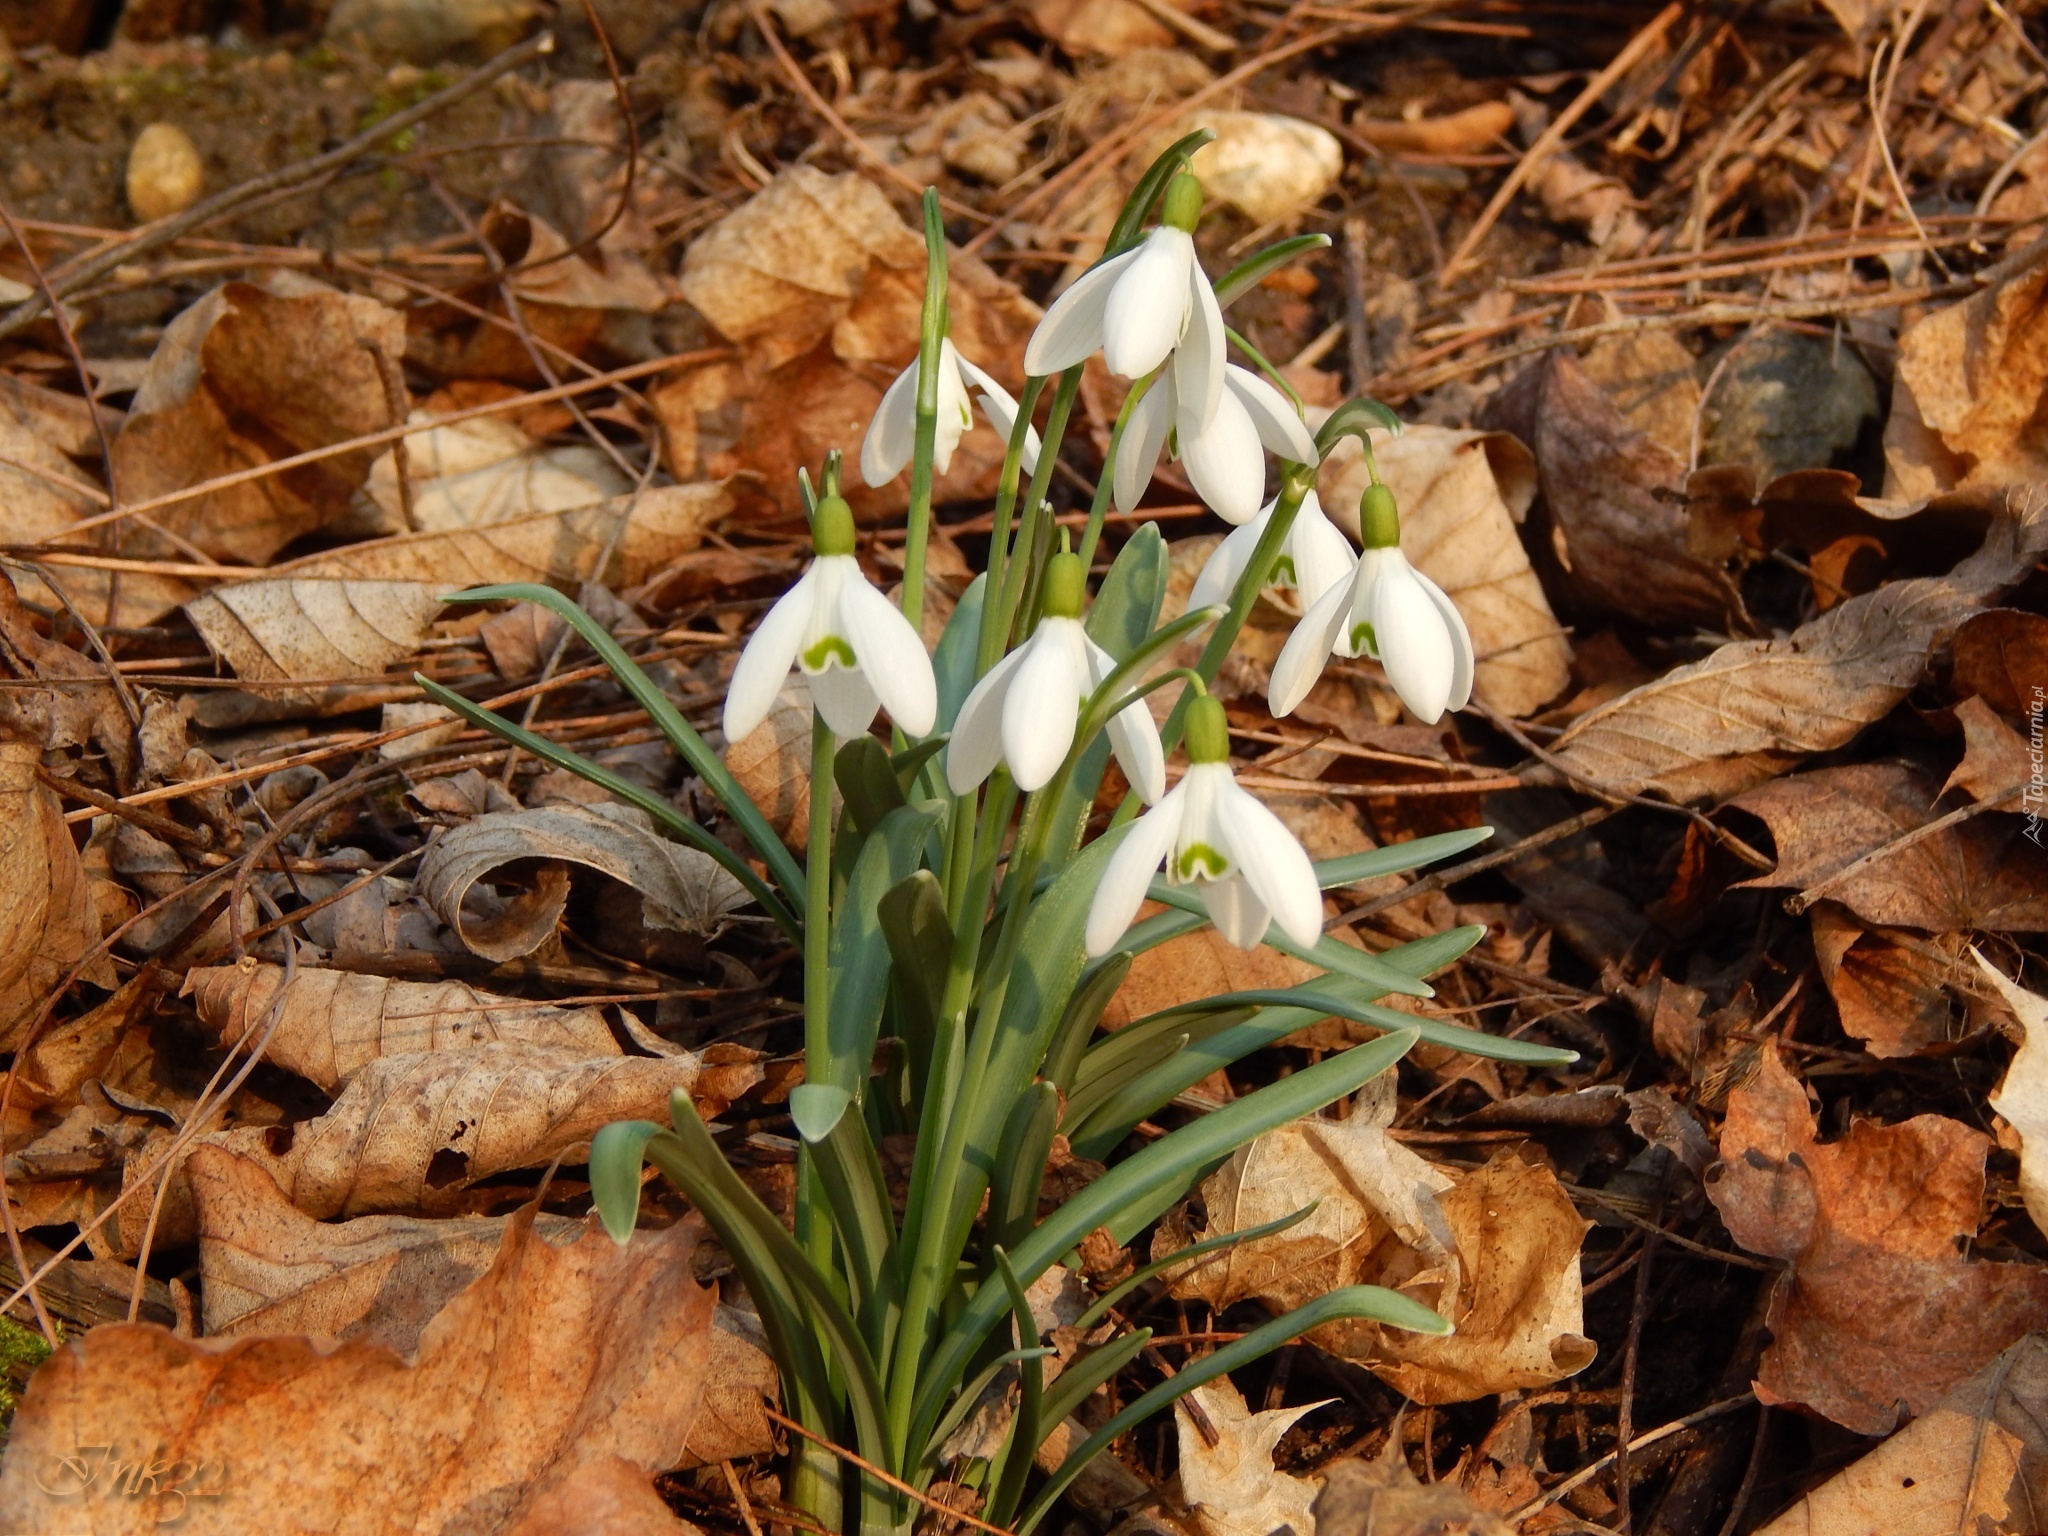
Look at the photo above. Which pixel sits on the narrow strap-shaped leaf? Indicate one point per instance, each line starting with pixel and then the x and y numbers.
pixel 633 794
pixel 1026 1423
pixel 1141 1176
pixel 971 1394
pixel 1326 951
pixel 912 915
pixel 1151 187
pixel 1072 1387
pixel 1020 1163
pixel 1353 1301
pixel 1084 1011
pixel 859 953
pixel 1397 858
pixel 616 1158
pixel 691 747
pixel 858 1197
pixel 1240 279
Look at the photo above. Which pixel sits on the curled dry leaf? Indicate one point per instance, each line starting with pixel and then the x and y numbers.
pixel 1496 1251
pixel 1977 1461
pixel 329 1024
pixel 1616 527
pixel 1231 1486
pixel 1969 391
pixel 485 470
pixel 1879 1313
pixel 680 889
pixel 1995 757
pixel 1752 708
pixel 1456 133
pixel 2023 1097
pixel 80 707
pixel 410 1133
pixel 1984 873
pixel 822 285
pixel 48 923
pixel 1462 495
pixel 561 1374
pixel 2001 655
pixel 1891 987
pixel 247 375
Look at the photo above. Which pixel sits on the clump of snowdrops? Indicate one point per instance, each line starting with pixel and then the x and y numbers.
pixel 961 903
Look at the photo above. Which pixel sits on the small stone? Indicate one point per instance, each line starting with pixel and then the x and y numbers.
pixel 1267 166
pixel 165 175
pixel 1789 401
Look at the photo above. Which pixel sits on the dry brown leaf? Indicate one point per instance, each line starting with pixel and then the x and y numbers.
pixel 681 889
pixel 1461 495
pixel 821 283
pixel 1383 1498
pixel 1229 1483
pixel 247 375
pixel 333 631
pixel 2001 655
pixel 485 470
pixel 80 707
pixel 268 1268
pixel 329 1024
pixel 1197 965
pixel 1752 708
pixel 1265 165
pixel 1879 1313
pixel 410 1133
pixel 2023 1097
pixel 1495 1251
pixel 1653 381
pixel 1975 1462
pixel 1967 403
pixel 1457 133
pixel 47 920
pixel 1890 987
pixel 1616 525
pixel 568 1373
pixel 1984 873
pixel 1572 192
pixel 772 764
pixel 1995 758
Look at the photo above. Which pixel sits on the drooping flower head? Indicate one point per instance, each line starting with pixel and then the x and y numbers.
pixel 1389 611
pixel 1314 557
pixel 1142 308
pixel 1223 455
pixel 891 441
pixel 1025 711
pixel 1212 833
pixel 856 649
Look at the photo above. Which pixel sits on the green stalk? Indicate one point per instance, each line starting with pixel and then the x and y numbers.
pixel 1099 508
pixel 1006 499
pixel 813 1232
pixel 931 331
pixel 1022 572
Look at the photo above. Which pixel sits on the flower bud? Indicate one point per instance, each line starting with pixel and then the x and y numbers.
pixel 832 526
pixel 1182 206
pixel 1379 519
pixel 1208 731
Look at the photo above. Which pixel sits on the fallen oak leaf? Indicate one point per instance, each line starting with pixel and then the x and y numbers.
pixel 485 470
pixel 2023 1097
pixel 329 1024
pixel 560 1373
pixel 1382 1497
pixel 47 921
pixel 1878 1313
pixel 1891 987
pixel 1229 1482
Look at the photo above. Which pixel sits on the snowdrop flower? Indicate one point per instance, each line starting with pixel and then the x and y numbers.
pixel 1389 611
pixel 1314 557
pixel 1025 711
pixel 892 435
pixel 1142 307
pixel 1221 454
pixel 1213 833
pixel 856 649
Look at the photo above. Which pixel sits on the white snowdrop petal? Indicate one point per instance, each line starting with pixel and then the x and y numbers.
pixel 976 745
pixel 1234 907
pixel 1279 426
pixel 1000 406
pixel 1414 647
pixel 1148 307
pixel 1273 863
pixel 892 435
pixel 1198 363
pixel 891 655
pixel 1130 871
pixel 845 700
pixel 1224 462
pixel 1307 651
pixel 1321 554
pixel 1461 643
pixel 1072 327
pixel 1133 735
pixel 1137 452
pixel 1226 564
pixel 954 409
pixel 767 657
pixel 1045 703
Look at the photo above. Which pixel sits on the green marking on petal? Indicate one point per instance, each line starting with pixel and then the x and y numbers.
pixel 828 650
pixel 1283 571
pixel 1214 865
pixel 1363 639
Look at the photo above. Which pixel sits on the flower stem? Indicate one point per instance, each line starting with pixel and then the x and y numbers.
pixel 931 331
pixel 1020 579
pixel 813 1231
pixel 1099 508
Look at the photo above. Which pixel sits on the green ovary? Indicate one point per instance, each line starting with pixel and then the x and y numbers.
pixel 828 650
pixel 1198 861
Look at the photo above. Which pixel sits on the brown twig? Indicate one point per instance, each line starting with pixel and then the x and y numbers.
pixel 1438 879
pixel 1814 892
pixel 885 1477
